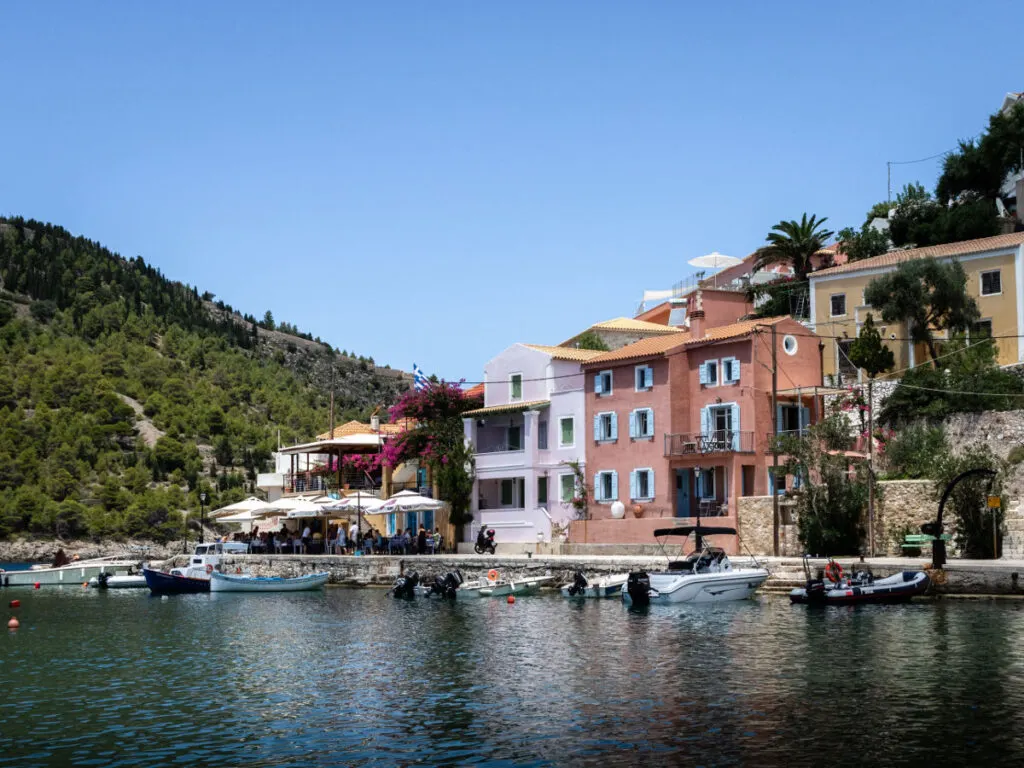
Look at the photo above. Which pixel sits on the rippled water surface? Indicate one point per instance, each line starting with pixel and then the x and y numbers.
pixel 351 677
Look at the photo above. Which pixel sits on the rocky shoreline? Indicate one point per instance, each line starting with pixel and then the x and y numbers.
pixel 43 550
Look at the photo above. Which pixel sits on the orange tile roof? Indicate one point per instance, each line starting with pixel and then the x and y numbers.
pixel 476 390
pixel 567 353
pixel 734 330
pixel 359 428
pixel 626 324
pixel 649 347
pixel 946 250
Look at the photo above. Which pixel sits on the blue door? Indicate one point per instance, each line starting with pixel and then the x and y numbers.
pixel 682 493
pixel 410 521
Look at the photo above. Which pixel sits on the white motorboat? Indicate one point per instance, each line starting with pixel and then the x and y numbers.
pixel 524 586
pixel 606 586
pixel 118 581
pixel 705 576
pixel 76 573
pixel 225 582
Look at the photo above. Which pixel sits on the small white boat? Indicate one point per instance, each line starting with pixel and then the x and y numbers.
pixel 525 586
pixel 705 576
pixel 118 581
pixel 225 582
pixel 77 572
pixel 606 586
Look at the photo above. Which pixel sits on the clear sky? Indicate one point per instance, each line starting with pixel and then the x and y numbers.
pixel 430 182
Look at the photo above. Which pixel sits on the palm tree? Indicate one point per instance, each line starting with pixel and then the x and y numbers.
pixel 794 243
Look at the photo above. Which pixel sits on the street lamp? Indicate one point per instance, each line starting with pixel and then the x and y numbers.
pixel 202 514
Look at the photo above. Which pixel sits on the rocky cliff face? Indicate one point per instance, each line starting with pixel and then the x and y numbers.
pixel 43 550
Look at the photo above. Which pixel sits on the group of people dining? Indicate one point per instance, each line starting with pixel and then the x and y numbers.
pixel 342 540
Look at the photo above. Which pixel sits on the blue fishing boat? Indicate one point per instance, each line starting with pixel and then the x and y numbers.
pixel 161 583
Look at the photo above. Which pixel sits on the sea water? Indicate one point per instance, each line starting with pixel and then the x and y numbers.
pixel 352 677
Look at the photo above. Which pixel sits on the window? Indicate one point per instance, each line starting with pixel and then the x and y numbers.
pixel 705 480
pixel 846 368
pixel 542 490
pixel 708 373
pixel 644 375
pixel 542 435
pixel 513 490
pixel 730 370
pixel 641 484
pixel 566 432
pixel 747 480
pixel 606 427
pixel 837 304
pixel 606 486
pixel 789 418
pixel 789 345
pixel 567 488
pixel 516 386
pixel 991 283
pixel 641 423
pixel 506 492
pixel 603 383
pixel 982 329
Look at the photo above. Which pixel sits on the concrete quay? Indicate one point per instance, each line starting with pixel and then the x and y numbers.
pixel 981 578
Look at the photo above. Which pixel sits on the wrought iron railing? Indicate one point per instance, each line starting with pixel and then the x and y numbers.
pixel 717 441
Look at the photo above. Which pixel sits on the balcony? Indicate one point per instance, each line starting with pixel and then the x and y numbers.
pixel 499 445
pixel 783 440
pixel 718 441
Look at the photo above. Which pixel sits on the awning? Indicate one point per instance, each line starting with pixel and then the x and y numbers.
pixel 529 405
pixel 334 445
pixel 811 391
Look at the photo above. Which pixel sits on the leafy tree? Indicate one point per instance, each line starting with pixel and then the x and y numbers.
pixel 868 352
pixel 915 451
pixel 794 243
pixel 222 452
pixel 6 313
pixel 863 243
pixel 833 492
pixel 43 311
pixel 928 296
pixel 590 340
pixel 878 211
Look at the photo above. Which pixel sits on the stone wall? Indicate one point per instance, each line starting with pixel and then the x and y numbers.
pixel 901 504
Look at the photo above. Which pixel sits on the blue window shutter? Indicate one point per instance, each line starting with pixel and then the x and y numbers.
pixel 705 421
pixel 735 426
pixel 650 422
pixel 648 377
pixel 597 487
pixel 805 417
pixel 650 483
pixel 632 424
pixel 615 426
pixel 633 494
pixel 615 485
pixel 778 418
pixel 771 482
pixel 702 372
pixel 597 426
pixel 598 385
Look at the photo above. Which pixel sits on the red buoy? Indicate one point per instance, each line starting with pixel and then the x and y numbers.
pixel 13 623
pixel 15 603
pixel 511 599
pixel 36 585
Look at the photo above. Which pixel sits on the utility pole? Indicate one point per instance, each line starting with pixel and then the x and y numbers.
pixel 330 430
pixel 871 467
pixel 888 181
pixel 775 447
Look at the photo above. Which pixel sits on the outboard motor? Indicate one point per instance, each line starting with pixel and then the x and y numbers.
pixel 448 586
pixel 579 583
pixel 816 591
pixel 101 579
pixel 638 587
pixel 405 586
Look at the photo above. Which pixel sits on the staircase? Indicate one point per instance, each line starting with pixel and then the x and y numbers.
pixel 1013 527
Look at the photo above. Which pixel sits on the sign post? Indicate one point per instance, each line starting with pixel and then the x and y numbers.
pixel 994 503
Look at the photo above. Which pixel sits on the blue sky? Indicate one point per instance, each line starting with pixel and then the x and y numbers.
pixel 432 182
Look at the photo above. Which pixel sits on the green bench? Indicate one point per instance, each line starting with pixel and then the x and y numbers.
pixel 919 540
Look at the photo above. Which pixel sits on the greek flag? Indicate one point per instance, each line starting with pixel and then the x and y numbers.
pixel 419 380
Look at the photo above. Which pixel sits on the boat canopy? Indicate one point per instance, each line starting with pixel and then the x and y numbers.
pixel 703 530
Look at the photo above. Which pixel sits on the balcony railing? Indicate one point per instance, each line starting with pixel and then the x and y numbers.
pixel 718 441
pixel 498 446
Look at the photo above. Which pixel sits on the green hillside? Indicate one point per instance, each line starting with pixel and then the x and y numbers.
pixel 124 393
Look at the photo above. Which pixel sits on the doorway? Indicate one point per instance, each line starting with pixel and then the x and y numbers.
pixel 683 492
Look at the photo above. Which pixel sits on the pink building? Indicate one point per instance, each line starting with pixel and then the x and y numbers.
pixel 682 424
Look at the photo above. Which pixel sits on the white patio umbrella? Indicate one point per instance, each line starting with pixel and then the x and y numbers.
pixel 714 260
pixel 408 501
pixel 247 516
pixel 250 504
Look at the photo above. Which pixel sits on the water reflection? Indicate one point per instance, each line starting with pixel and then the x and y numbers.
pixel 352 677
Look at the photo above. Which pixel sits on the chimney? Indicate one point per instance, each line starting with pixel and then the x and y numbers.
pixel 697 323
pixel 677 312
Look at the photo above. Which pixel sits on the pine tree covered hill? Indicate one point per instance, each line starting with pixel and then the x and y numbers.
pixel 86 337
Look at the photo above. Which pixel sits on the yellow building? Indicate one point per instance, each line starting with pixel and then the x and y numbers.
pixel 993 266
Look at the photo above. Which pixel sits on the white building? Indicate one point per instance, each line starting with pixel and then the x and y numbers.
pixel 531 424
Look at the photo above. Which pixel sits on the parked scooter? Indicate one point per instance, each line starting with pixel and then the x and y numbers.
pixel 484 541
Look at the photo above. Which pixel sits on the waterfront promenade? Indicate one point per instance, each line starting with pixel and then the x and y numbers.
pixel 959 577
